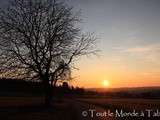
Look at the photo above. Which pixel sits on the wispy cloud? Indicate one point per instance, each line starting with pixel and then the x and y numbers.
pixel 147 53
pixel 139 49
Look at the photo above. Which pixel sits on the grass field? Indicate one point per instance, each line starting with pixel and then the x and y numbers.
pixel 128 106
pixel 32 108
pixel 138 104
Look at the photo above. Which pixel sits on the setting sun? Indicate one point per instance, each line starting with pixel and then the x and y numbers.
pixel 105 83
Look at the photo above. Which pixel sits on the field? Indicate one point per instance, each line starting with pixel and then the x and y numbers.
pixel 138 104
pixel 78 107
pixel 32 108
pixel 150 107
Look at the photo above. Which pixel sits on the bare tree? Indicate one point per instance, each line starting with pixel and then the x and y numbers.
pixel 40 40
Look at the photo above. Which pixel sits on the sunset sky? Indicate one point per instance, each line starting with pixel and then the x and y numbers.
pixel 129 40
pixel 129 32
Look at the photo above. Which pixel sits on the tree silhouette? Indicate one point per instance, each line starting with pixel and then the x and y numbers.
pixel 40 40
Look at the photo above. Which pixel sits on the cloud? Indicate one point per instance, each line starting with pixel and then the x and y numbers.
pixel 147 53
pixel 142 49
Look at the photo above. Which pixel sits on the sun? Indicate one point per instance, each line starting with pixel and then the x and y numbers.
pixel 105 83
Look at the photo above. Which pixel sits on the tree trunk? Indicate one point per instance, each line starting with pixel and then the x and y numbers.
pixel 48 93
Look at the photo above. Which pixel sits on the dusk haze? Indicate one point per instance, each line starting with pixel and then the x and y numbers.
pixel 129 40
pixel 79 59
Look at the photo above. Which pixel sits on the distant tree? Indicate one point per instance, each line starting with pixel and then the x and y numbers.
pixel 40 40
pixel 65 85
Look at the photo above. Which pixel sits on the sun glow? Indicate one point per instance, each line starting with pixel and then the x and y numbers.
pixel 105 83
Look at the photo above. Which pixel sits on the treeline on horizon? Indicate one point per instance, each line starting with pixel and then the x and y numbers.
pixel 18 87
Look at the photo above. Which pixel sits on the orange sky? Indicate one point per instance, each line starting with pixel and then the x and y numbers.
pixel 92 73
pixel 129 32
pixel 129 40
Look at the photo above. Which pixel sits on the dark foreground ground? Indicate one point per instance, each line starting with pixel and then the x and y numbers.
pixel 22 108
pixel 32 108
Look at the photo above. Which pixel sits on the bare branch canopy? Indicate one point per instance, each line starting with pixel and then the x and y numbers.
pixel 40 39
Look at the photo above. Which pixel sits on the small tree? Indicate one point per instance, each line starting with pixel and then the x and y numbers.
pixel 39 40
